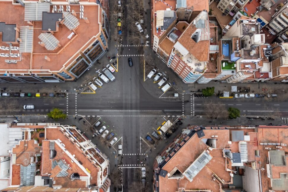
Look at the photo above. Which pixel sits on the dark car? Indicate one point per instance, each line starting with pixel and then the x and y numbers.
pixel 61 94
pixel 130 62
pixel 51 95
pixel 16 94
pixel 148 138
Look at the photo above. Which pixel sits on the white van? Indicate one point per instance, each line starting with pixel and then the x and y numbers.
pixel 139 27
pixel 104 78
pixel 28 107
pixel 166 87
pixel 163 80
pixel 108 74
pixel 92 86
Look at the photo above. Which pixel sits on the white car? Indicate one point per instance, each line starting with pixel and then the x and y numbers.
pixel 28 107
pixel 102 129
pixel 92 86
pixel 139 27
pixel 157 77
pixel 98 82
pixel 111 69
pixel 113 141
pixel 143 170
pixel 163 80
pixel 151 73
pixel 105 134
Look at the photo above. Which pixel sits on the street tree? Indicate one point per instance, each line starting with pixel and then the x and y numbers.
pixel 209 91
pixel 233 113
pixel 57 114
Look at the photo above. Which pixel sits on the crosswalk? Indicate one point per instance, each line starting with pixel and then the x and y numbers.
pixel 131 154
pixel 285 120
pixel 131 45
pixel 136 55
pixel 130 166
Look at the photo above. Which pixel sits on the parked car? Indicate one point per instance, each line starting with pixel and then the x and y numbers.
pixel 97 123
pixel 157 77
pixel 151 73
pixel 5 94
pixel 103 77
pixel 111 69
pixel 22 94
pixel 98 82
pixel 139 27
pixel 259 95
pixel 37 95
pixel 92 86
pixel 110 136
pixel 166 87
pixel 51 95
pixel 28 107
pixel 249 95
pixel 130 62
pixel 148 138
pixel 61 94
pixel 105 134
pixel 274 95
pixel 155 135
pixel 162 81
pixel 102 129
pixel 143 171
pixel 113 141
pixel 108 74
pixel 16 94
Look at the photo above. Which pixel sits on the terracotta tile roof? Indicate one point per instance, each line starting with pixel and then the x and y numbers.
pixel 55 171
pixel 24 151
pixel 16 174
pixel 198 5
pixel 199 50
pixel 166 45
pixel 186 156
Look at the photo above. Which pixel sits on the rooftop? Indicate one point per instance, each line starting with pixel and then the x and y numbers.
pixel 267 14
pixel 185 156
pixel 34 59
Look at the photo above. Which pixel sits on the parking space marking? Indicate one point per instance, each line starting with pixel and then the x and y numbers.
pixel 258 104
pixel 276 104
pixel 230 104
pixel 238 104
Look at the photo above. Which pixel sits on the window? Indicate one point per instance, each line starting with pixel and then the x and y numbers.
pixel 64 75
pixel 103 39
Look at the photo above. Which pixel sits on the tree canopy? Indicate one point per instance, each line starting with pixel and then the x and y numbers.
pixel 233 113
pixel 57 114
pixel 209 91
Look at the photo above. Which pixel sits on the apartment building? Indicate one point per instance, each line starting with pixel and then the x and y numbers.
pixel 279 23
pixel 224 159
pixel 279 62
pixel 52 157
pixel 231 7
pixel 181 37
pixel 51 41
pixel 244 56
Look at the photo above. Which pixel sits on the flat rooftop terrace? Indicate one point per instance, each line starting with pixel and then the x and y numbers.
pixel 12 14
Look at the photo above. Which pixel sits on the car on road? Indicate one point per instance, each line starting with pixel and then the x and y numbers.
pixel 28 107
pixel 97 123
pixel 130 62
pixel 113 141
pixel 151 73
pixel 111 69
pixel 5 94
pixel 139 27
pixel 148 138
pixel 102 129
pixel 162 81
pixel 105 134
pixel 157 77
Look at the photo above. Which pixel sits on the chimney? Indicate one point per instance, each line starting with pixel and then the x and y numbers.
pixel 47 58
pixel 74 13
pixel 86 20
pixel 20 40
pixel 42 44
pixel 16 29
